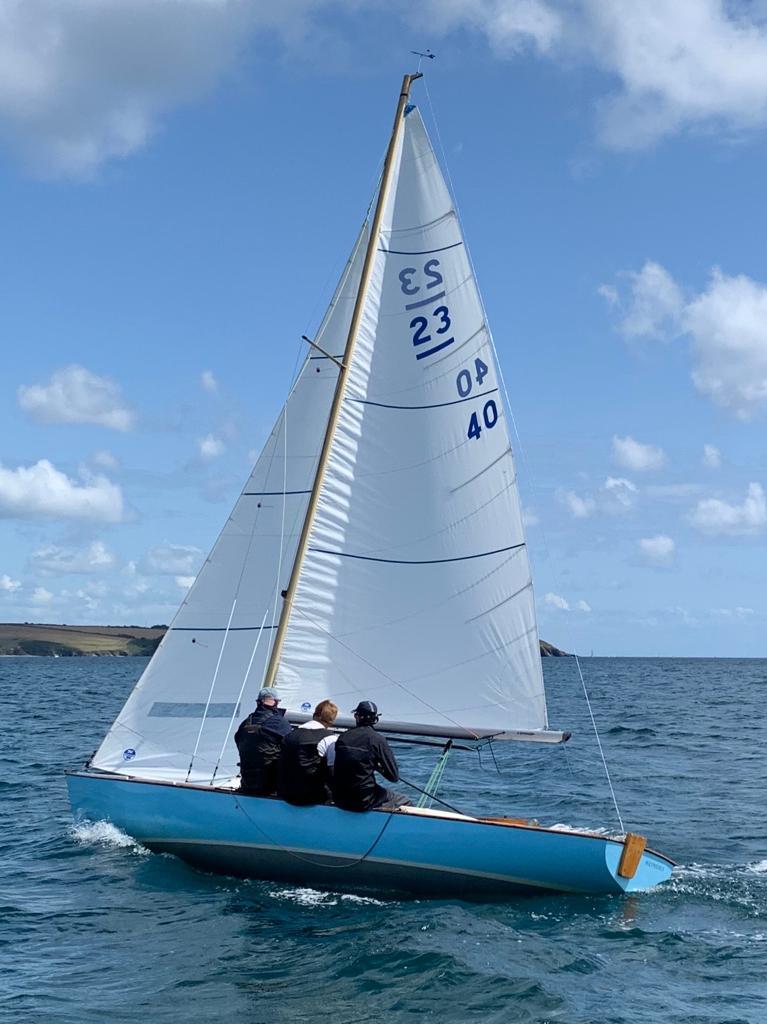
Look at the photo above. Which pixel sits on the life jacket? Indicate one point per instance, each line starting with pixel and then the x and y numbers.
pixel 302 775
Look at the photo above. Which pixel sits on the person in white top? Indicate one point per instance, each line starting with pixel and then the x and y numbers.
pixel 307 757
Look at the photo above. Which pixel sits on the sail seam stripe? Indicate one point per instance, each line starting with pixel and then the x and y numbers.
pixel 422 561
pixel 419 252
pixel 437 405
pixel 270 494
pixel 215 629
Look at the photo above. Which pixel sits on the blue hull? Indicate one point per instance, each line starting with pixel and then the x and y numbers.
pixel 416 853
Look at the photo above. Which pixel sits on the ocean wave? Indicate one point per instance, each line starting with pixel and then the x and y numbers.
pixel 105 834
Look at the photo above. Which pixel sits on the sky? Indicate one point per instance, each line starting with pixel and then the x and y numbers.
pixel 181 182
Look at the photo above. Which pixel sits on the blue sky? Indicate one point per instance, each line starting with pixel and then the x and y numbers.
pixel 180 184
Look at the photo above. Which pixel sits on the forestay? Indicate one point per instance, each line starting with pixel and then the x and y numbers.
pixel 218 643
pixel 415 590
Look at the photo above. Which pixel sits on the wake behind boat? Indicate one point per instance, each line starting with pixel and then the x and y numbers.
pixel 376 552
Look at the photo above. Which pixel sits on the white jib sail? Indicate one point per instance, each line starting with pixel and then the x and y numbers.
pixel 205 675
pixel 415 590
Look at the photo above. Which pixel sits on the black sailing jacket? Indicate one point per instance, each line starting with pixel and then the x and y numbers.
pixel 259 740
pixel 302 775
pixel 360 753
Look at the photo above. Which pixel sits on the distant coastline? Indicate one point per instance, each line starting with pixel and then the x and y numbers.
pixel 39 639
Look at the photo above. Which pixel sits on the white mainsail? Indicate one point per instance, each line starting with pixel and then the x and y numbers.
pixel 415 588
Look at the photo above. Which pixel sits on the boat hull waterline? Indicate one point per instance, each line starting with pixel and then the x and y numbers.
pixel 413 852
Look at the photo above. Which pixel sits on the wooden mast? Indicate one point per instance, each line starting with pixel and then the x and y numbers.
pixel 335 409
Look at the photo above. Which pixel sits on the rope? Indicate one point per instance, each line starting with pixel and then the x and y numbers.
pixel 436 776
pixel 308 860
pixel 432 797
pixel 599 744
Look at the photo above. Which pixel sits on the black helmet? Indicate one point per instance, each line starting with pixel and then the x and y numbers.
pixel 366 711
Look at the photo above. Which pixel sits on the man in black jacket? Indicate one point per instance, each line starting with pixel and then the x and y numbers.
pixel 359 754
pixel 259 741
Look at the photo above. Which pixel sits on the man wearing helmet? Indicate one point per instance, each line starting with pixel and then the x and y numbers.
pixel 360 753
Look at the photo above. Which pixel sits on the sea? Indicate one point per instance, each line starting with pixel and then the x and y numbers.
pixel 95 928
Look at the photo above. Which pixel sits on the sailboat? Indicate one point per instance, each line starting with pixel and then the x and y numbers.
pixel 376 552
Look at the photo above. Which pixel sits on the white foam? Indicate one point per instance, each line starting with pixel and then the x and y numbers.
pixel 105 834
pixel 760 868
pixel 315 898
pixel 603 833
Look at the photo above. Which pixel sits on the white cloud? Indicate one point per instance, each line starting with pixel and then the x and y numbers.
pixel 618 495
pixel 96 557
pixel 211 447
pixel 732 614
pixel 634 455
pixel 172 560
pixel 688 64
pixel 104 460
pixel 208 381
pixel 653 306
pixel 10 586
pixel 530 517
pixel 81 81
pixel 185 582
pixel 42 490
pixel 683 64
pixel 558 602
pixel 659 549
pixel 75 395
pixel 510 27
pixel 717 517
pixel 727 328
pixel 41 596
pixel 580 508
pixel 712 457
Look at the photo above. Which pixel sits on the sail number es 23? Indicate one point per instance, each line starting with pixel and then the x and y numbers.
pixel 433 321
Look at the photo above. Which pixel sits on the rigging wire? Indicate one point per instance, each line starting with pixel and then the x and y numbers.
pixel 239 696
pixel 520 447
pixel 212 686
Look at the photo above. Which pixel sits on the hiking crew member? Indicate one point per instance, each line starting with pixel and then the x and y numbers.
pixel 259 740
pixel 303 773
pixel 359 754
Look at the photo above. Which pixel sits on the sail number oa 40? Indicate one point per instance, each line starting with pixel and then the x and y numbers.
pixel 464 383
